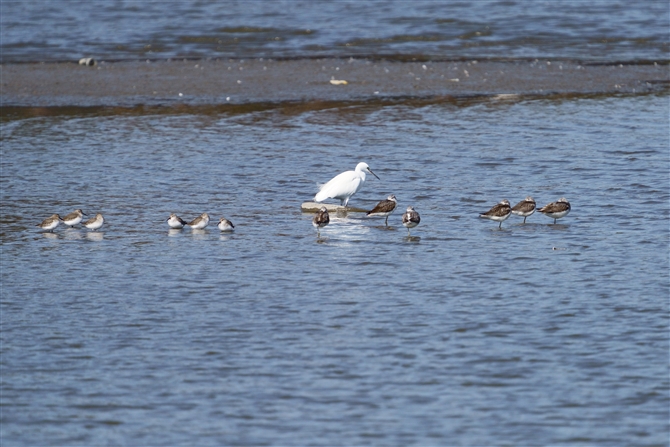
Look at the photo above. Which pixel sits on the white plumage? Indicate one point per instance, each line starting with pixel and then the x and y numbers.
pixel 344 185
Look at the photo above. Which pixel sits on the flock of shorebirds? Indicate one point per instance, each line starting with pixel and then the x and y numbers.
pixel 71 220
pixel 341 187
pixel 95 223
pixel 383 209
pixel 346 184
pixel 199 222
pixel 501 211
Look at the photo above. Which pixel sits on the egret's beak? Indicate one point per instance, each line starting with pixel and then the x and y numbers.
pixel 370 171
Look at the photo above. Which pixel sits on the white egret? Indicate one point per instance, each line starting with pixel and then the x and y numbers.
pixel 344 185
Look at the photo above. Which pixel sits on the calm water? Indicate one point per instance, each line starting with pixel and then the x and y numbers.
pixel 605 30
pixel 463 334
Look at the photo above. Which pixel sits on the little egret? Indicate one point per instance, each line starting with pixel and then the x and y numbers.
pixel 557 209
pixel 344 185
pixel 499 212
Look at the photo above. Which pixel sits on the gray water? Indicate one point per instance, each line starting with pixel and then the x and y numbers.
pixel 462 334
pixel 595 30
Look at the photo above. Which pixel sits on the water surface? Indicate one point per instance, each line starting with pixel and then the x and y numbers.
pixel 602 30
pixel 462 334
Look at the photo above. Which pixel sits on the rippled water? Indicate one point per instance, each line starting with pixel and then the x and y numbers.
pixel 609 30
pixel 462 334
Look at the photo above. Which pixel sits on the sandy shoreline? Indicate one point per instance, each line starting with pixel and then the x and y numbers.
pixel 238 82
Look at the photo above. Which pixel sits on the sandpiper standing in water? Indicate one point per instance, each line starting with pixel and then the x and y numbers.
pixel 175 221
pixel 199 222
pixel 74 218
pixel 384 208
pixel 557 209
pixel 225 225
pixel 95 222
pixel 524 208
pixel 499 213
pixel 321 219
pixel 50 223
pixel 410 219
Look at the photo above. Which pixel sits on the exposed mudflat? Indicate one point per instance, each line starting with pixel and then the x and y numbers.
pixel 216 82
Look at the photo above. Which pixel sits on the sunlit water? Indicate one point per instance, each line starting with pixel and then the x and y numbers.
pixel 462 334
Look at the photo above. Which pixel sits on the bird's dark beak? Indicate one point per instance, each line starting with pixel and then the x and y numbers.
pixel 370 170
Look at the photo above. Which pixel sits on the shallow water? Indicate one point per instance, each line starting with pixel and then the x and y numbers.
pixel 462 334
pixel 605 30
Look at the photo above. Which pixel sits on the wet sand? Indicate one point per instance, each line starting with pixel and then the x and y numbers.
pixel 259 81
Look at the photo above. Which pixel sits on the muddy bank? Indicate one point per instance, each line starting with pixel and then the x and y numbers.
pixel 260 81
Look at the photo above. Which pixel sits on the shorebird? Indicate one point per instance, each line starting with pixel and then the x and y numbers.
pixel 175 221
pixel 74 217
pixel 384 208
pixel 50 223
pixel 557 209
pixel 321 219
pixel 225 225
pixel 95 222
pixel 344 185
pixel 500 212
pixel 524 208
pixel 410 219
pixel 199 222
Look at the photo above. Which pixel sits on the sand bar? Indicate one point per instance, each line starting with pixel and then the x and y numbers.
pixel 262 81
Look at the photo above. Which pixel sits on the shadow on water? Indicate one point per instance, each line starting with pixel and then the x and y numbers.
pixel 385 228
pixel 558 226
